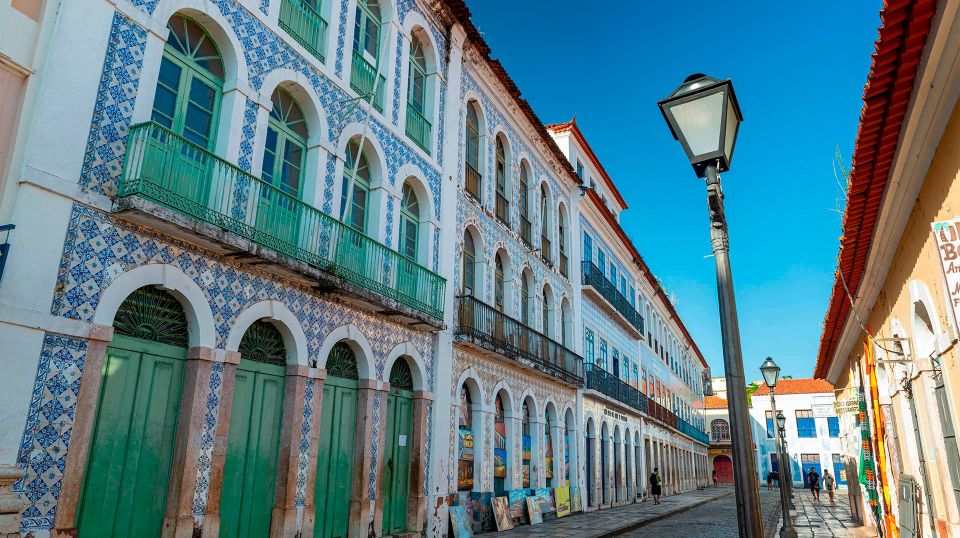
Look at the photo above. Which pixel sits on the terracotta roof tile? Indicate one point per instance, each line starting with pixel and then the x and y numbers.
pixel 904 28
pixel 797 386
pixel 714 402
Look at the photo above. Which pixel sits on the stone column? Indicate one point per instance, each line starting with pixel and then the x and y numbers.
pixel 302 401
pixel 200 452
pixel 416 500
pixel 556 434
pixel 538 474
pixel 364 518
pixel 11 504
pixel 90 381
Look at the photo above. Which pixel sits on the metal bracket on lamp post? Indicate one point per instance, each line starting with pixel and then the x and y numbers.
pixel 744 468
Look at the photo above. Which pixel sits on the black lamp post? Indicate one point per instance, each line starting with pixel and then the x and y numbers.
pixel 782 427
pixel 771 374
pixel 703 114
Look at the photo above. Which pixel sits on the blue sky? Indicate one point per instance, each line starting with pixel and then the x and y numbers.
pixel 799 71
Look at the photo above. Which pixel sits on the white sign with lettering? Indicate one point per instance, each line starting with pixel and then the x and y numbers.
pixel 947 234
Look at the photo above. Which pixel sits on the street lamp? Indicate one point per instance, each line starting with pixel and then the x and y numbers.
pixel 782 428
pixel 771 373
pixel 704 116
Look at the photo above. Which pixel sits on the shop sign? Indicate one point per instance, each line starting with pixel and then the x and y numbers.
pixel 613 414
pixel 846 407
pixel 947 234
pixel 822 410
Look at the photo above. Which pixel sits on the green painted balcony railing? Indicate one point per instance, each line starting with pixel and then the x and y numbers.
pixel 362 75
pixel 304 23
pixel 418 128
pixel 171 171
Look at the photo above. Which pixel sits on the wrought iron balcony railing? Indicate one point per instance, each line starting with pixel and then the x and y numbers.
pixel 473 181
pixel 168 170
pixel 304 24
pixel 418 127
pixel 495 331
pixel 362 78
pixel 661 413
pixel 690 430
pixel 593 276
pixel 610 385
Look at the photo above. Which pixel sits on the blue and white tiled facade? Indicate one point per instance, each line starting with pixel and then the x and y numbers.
pixel 97 251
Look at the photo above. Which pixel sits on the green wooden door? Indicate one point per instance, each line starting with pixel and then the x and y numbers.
pixel 338 423
pixel 396 477
pixel 131 452
pixel 250 470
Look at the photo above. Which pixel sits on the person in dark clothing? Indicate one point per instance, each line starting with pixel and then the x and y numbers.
pixel 813 477
pixel 655 482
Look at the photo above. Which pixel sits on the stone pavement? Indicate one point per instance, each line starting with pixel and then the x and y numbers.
pixel 823 518
pixel 716 519
pixel 616 521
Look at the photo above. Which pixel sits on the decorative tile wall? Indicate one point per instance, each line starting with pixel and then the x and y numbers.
pixel 304 446
pixel 202 491
pixel 46 436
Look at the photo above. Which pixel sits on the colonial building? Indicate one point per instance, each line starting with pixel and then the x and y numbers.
pixel 812 429
pixel 890 332
pixel 716 413
pixel 300 267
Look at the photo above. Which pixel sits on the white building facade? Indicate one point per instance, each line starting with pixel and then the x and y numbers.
pixel 812 429
pixel 292 267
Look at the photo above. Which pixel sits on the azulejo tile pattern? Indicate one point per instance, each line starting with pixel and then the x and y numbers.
pixel 117 93
pixel 249 131
pixel 99 247
pixel 304 447
pixel 202 490
pixel 374 445
pixel 46 436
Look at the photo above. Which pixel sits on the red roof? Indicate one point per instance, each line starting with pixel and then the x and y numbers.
pixel 904 28
pixel 572 127
pixel 714 402
pixel 797 386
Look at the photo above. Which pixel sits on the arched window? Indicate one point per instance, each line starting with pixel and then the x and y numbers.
pixel 151 313
pixel 469 263
pixel 562 242
pixel 190 83
pixel 263 343
pixel 546 325
pixel 524 300
pixel 474 179
pixel 418 116
pixel 503 192
pixel 564 322
pixel 409 222
pixel 284 157
pixel 525 231
pixel 720 429
pixel 498 293
pixel 366 52
pixel 544 224
pixel 356 198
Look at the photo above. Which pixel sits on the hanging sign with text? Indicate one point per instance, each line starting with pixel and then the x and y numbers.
pixel 947 234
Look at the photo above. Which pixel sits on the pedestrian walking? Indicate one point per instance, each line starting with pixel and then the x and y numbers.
pixel 813 477
pixel 714 476
pixel 830 483
pixel 655 485
pixel 770 480
pixel 776 478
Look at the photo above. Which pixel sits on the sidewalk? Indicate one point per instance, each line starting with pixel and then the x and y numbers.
pixel 615 521
pixel 824 518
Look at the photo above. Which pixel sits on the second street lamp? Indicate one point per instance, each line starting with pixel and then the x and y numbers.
pixel 771 374
pixel 704 116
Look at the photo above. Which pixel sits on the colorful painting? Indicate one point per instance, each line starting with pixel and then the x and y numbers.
pixel 548 452
pixel 499 442
pixel 465 460
pixel 501 513
pixel 566 459
pixel 546 499
pixel 460 522
pixel 525 466
pixel 526 448
pixel 482 511
pixel 533 510
pixel 517 504
pixel 562 496
pixel 576 505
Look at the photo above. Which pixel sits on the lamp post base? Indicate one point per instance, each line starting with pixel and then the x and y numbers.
pixel 788 532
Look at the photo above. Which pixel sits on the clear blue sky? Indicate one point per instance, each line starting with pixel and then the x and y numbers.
pixel 799 71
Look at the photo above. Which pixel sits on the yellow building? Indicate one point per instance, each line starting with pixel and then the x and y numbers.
pixel 890 332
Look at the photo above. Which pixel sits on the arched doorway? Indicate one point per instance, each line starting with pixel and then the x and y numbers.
pixel 617 464
pixel 253 441
pixel 338 425
pixel 132 441
pixel 591 446
pixel 724 469
pixel 396 476
pixel 604 474
pixel 500 444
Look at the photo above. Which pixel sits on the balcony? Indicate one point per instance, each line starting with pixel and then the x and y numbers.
pixel 171 184
pixel 493 331
pixel 418 128
pixel 595 282
pixel 305 25
pixel 661 413
pixel 610 385
pixel 691 431
pixel 362 78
